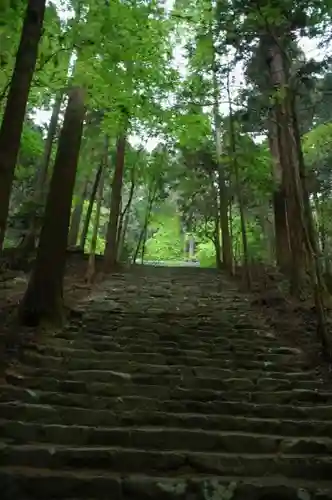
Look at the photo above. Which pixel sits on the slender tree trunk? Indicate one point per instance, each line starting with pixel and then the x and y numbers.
pixel 267 232
pixel 110 256
pixel 28 244
pixel 90 208
pixel 151 199
pixel 144 244
pixel 43 170
pixel 76 216
pixel 123 235
pixel 13 118
pixel 91 270
pixel 227 255
pixel 233 154
pixel 223 194
pixel 43 299
pixel 124 218
pixel 216 242
pixel 138 246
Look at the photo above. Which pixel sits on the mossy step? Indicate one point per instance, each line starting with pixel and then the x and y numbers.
pixel 122 384
pixel 155 359
pixel 85 359
pixel 128 403
pixel 229 361
pixel 163 438
pixel 47 414
pixel 214 353
pixel 131 332
pixel 41 484
pixel 103 371
pixel 132 460
pixel 260 344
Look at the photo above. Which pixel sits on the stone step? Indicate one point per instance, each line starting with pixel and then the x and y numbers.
pixel 230 354
pixel 53 414
pixel 132 460
pixel 153 359
pixel 83 359
pixel 163 439
pixel 131 333
pixel 93 383
pixel 113 341
pixel 10 393
pixel 103 371
pixel 181 358
pixel 43 484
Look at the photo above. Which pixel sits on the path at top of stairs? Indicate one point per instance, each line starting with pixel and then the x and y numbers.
pixel 166 385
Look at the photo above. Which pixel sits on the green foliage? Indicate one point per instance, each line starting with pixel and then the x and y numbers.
pixel 167 242
pixel 206 254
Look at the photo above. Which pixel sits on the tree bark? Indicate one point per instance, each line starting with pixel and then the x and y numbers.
pixel 282 245
pixel 289 161
pixel 124 218
pixel 42 174
pixel 223 194
pixel 43 299
pixel 28 244
pixel 76 216
pixel 90 208
pixel 216 242
pixel 226 240
pixel 91 270
pixel 282 248
pixel 142 237
pixel 13 118
pixel 110 256
pixel 233 154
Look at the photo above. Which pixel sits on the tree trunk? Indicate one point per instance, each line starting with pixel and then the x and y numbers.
pixel 110 256
pixel 226 240
pixel 123 235
pixel 42 177
pixel 76 216
pixel 282 246
pixel 43 299
pixel 288 155
pixel 267 232
pixel 151 199
pixel 216 242
pixel 233 155
pixel 311 243
pixel 90 208
pixel 13 118
pixel 91 270
pixel 124 218
pixel 223 194
pixel 302 235
pixel 282 249
pixel 322 233
pixel 28 244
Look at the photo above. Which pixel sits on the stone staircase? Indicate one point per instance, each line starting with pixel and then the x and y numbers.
pixel 166 385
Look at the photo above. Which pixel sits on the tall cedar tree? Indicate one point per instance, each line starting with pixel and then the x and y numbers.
pixel 43 299
pixel 12 123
